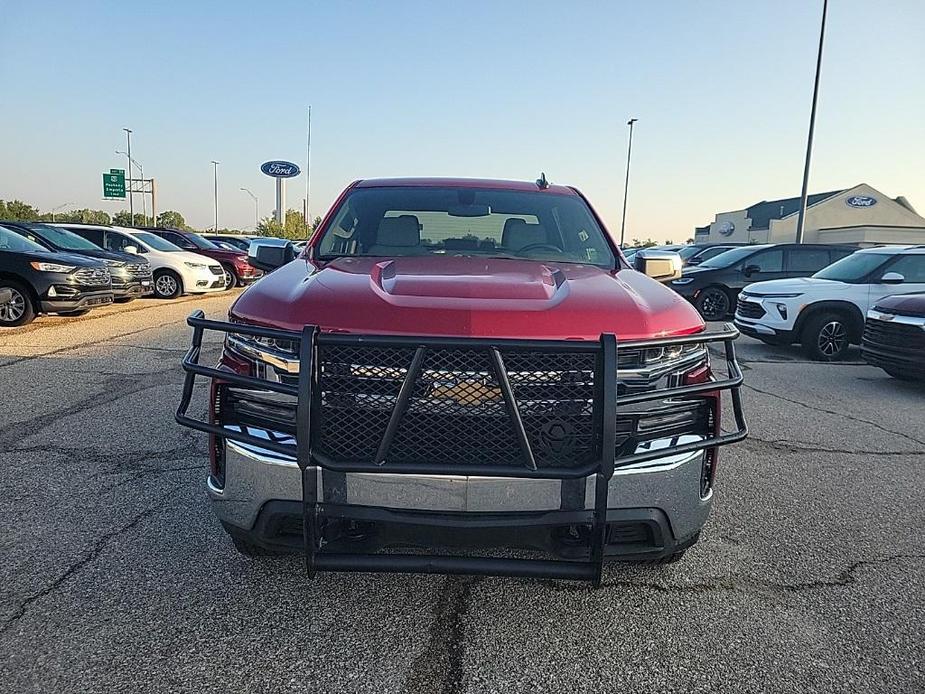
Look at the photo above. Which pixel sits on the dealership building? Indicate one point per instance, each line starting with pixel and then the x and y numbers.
pixel 860 215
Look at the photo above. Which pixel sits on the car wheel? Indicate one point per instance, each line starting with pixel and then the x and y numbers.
pixel 713 303
pixel 167 285
pixel 19 310
pixel 230 279
pixel 826 336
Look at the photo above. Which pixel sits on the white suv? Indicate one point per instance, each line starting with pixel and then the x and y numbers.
pixel 825 312
pixel 175 271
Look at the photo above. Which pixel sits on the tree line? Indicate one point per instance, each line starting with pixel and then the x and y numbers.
pixel 16 210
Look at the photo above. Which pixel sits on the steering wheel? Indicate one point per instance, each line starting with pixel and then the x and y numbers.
pixel 540 246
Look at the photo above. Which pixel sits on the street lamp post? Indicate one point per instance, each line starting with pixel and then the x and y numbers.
pixel 256 208
pixel 59 207
pixel 626 184
pixel 801 218
pixel 144 200
pixel 128 156
pixel 215 192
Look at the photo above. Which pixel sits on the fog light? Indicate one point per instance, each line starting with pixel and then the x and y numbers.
pixel 202 283
pixel 51 292
pixel 782 310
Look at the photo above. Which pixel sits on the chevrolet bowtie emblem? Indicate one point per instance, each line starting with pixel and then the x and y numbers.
pixel 469 393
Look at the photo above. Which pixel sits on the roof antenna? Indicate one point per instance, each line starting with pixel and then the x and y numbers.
pixel 541 182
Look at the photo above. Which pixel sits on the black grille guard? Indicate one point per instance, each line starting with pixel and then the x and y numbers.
pixel 307 390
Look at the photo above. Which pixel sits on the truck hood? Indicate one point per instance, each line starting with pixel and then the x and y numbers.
pixel 466 297
pixel 796 285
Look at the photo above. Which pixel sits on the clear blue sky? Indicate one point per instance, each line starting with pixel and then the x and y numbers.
pixel 503 89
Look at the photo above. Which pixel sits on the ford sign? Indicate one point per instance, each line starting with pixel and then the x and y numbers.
pixel 861 201
pixel 280 169
pixel 727 228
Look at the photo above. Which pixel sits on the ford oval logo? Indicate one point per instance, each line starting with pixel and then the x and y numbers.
pixel 861 201
pixel 727 228
pixel 280 169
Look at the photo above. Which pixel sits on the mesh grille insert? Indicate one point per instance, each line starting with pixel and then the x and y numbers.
pixel 457 414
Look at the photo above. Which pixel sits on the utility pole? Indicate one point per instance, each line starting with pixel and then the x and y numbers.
pixel 141 172
pixel 626 185
pixel 128 155
pixel 801 218
pixel 256 208
pixel 215 192
pixel 308 169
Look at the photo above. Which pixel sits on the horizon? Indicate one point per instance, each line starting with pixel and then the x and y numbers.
pixel 721 93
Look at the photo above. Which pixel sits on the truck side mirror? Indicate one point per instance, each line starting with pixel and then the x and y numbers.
pixel 663 266
pixel 269 254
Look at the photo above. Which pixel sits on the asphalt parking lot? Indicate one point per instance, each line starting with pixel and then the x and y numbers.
pixel 115 576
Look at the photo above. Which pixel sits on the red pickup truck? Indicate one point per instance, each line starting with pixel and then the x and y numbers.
pixel 453 365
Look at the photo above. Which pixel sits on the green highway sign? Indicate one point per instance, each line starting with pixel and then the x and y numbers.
pixel 114 184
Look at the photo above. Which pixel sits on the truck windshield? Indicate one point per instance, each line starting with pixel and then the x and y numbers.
pixel 448 221
pixel 852 268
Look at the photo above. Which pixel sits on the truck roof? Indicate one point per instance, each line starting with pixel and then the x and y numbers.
pixel 496 184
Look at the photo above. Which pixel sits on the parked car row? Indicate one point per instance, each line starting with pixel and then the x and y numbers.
pixel 69 269
pixel 823 297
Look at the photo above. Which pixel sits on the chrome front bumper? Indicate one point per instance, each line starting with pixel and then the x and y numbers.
pixel 255 476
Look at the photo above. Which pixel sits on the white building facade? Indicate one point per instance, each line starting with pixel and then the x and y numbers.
pixel 859 215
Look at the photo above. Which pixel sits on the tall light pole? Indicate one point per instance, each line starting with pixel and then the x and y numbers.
pixel 308 171
pixel 128 156
pixel 59 207
pixel 215 192
pixel 626 184
pixel 801 218
pixel 141 172
pixel 256 208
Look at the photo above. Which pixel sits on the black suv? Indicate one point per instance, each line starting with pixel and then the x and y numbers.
pixel 714 285
pixel 42 281
pixel 131 275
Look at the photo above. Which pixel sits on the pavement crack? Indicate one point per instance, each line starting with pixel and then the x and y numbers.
pixel 787 446
pixel 843 414
pixel 439 667
pixel 98 548
pixel 736 584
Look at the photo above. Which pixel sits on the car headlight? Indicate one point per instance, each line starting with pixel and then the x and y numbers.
pixel 777 296
pixel 683 280
pixel 194 265
pixel 52 267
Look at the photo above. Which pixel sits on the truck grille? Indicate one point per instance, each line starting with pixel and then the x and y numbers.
pixel 456 412
pixel 92 277
pixel 749 309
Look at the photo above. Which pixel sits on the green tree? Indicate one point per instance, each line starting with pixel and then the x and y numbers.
pixel 124 219
pixel 293 229
pixel 172 219
pixel 85 216
pixel 17 209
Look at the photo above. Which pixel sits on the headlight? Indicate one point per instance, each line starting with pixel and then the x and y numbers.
pixel 683 280
pixel 52 267
pixel 194 265
pixel 777 296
